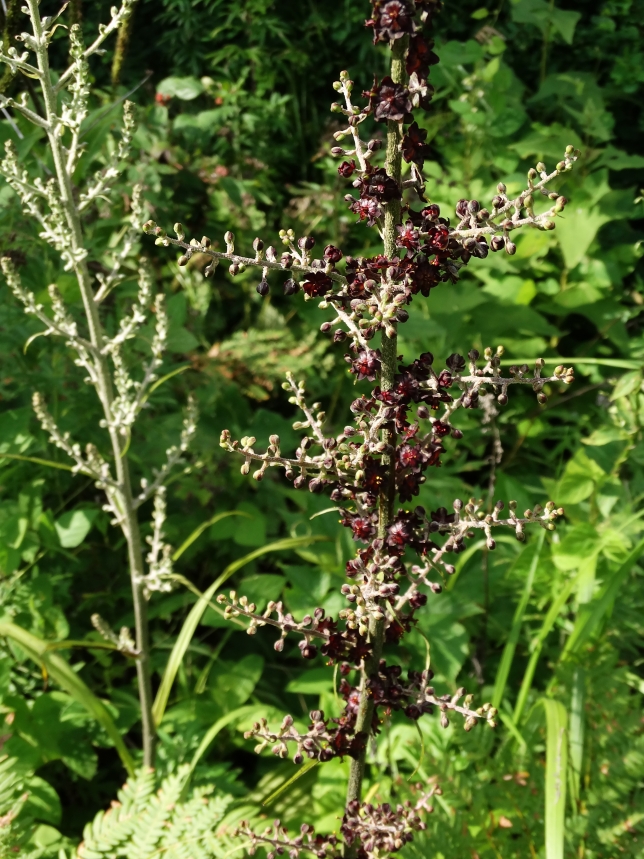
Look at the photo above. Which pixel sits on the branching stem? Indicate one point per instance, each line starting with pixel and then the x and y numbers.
pixel 122 497
pixel 389 347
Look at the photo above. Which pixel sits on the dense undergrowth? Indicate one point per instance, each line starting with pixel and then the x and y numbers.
pixel 233 131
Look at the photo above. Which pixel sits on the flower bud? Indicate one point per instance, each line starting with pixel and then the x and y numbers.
pixel 258 245
pixel 262 287
pixel 291 287
pixel 183 260
pixel 541 167
pixel 510 248
pixel 306 243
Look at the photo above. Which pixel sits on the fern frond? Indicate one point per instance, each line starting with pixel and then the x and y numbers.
pixel 146 823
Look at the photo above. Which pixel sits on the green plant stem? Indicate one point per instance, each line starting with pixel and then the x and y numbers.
pixel 123 497
pixel 388 349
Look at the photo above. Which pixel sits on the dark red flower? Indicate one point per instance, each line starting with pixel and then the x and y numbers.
pixel 410 456
pixel 423 276
pixel 391 101
pixel 407 236
pixel 316 283
pixel 414 147
pixel 431 212
pixel 396 18
pixel 437 238
pixel 381 185
pixel 456 363
pixel 366 364
pixel 347 168
pixel 420 56
pixel 332 254
pixel 374 474
pixel 368 209
pixel 392 19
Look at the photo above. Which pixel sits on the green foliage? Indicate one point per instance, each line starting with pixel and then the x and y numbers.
pixel 146 822
pixel 564 623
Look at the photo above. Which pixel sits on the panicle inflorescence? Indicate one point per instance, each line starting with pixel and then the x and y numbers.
pixel 402 421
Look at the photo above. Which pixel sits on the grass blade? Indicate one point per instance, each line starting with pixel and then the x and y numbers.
pixel 211 733
pixel 577 727
pixel 546 627
pixel 196 613
pixel 556 770
pixel 204 526
pixel 517 622
pixel 55 666
pixel 306 767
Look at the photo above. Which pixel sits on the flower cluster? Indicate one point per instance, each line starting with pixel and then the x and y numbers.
pixel 402 425
pixel 326 738
pixel 375 830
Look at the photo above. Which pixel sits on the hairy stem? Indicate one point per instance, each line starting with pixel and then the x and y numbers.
pixel 123 494
pixel 388 350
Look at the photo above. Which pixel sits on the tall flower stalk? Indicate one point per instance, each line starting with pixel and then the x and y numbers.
pixel 60 207
pixel 375 466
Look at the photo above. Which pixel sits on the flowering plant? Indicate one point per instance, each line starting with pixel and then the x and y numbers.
pixel 400 426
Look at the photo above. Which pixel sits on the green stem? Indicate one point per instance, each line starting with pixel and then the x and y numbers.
pixel 123 497
pixel 388 359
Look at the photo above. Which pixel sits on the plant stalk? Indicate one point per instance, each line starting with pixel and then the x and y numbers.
pixel 123 496
pixel 388 349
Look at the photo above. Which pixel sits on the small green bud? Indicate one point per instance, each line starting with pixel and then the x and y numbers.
pixel 541 167
pixel 178 228
pixel 561 166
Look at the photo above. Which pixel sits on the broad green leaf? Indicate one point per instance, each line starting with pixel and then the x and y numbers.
pixel 628 384
pixel 234 682
pixel 312 682
pixel 13 530
pixel 556 776
pixel 581 542
pixel 37 650
pixel 262 588
pixel 74 526
pixel 576 232
pixel 186 88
